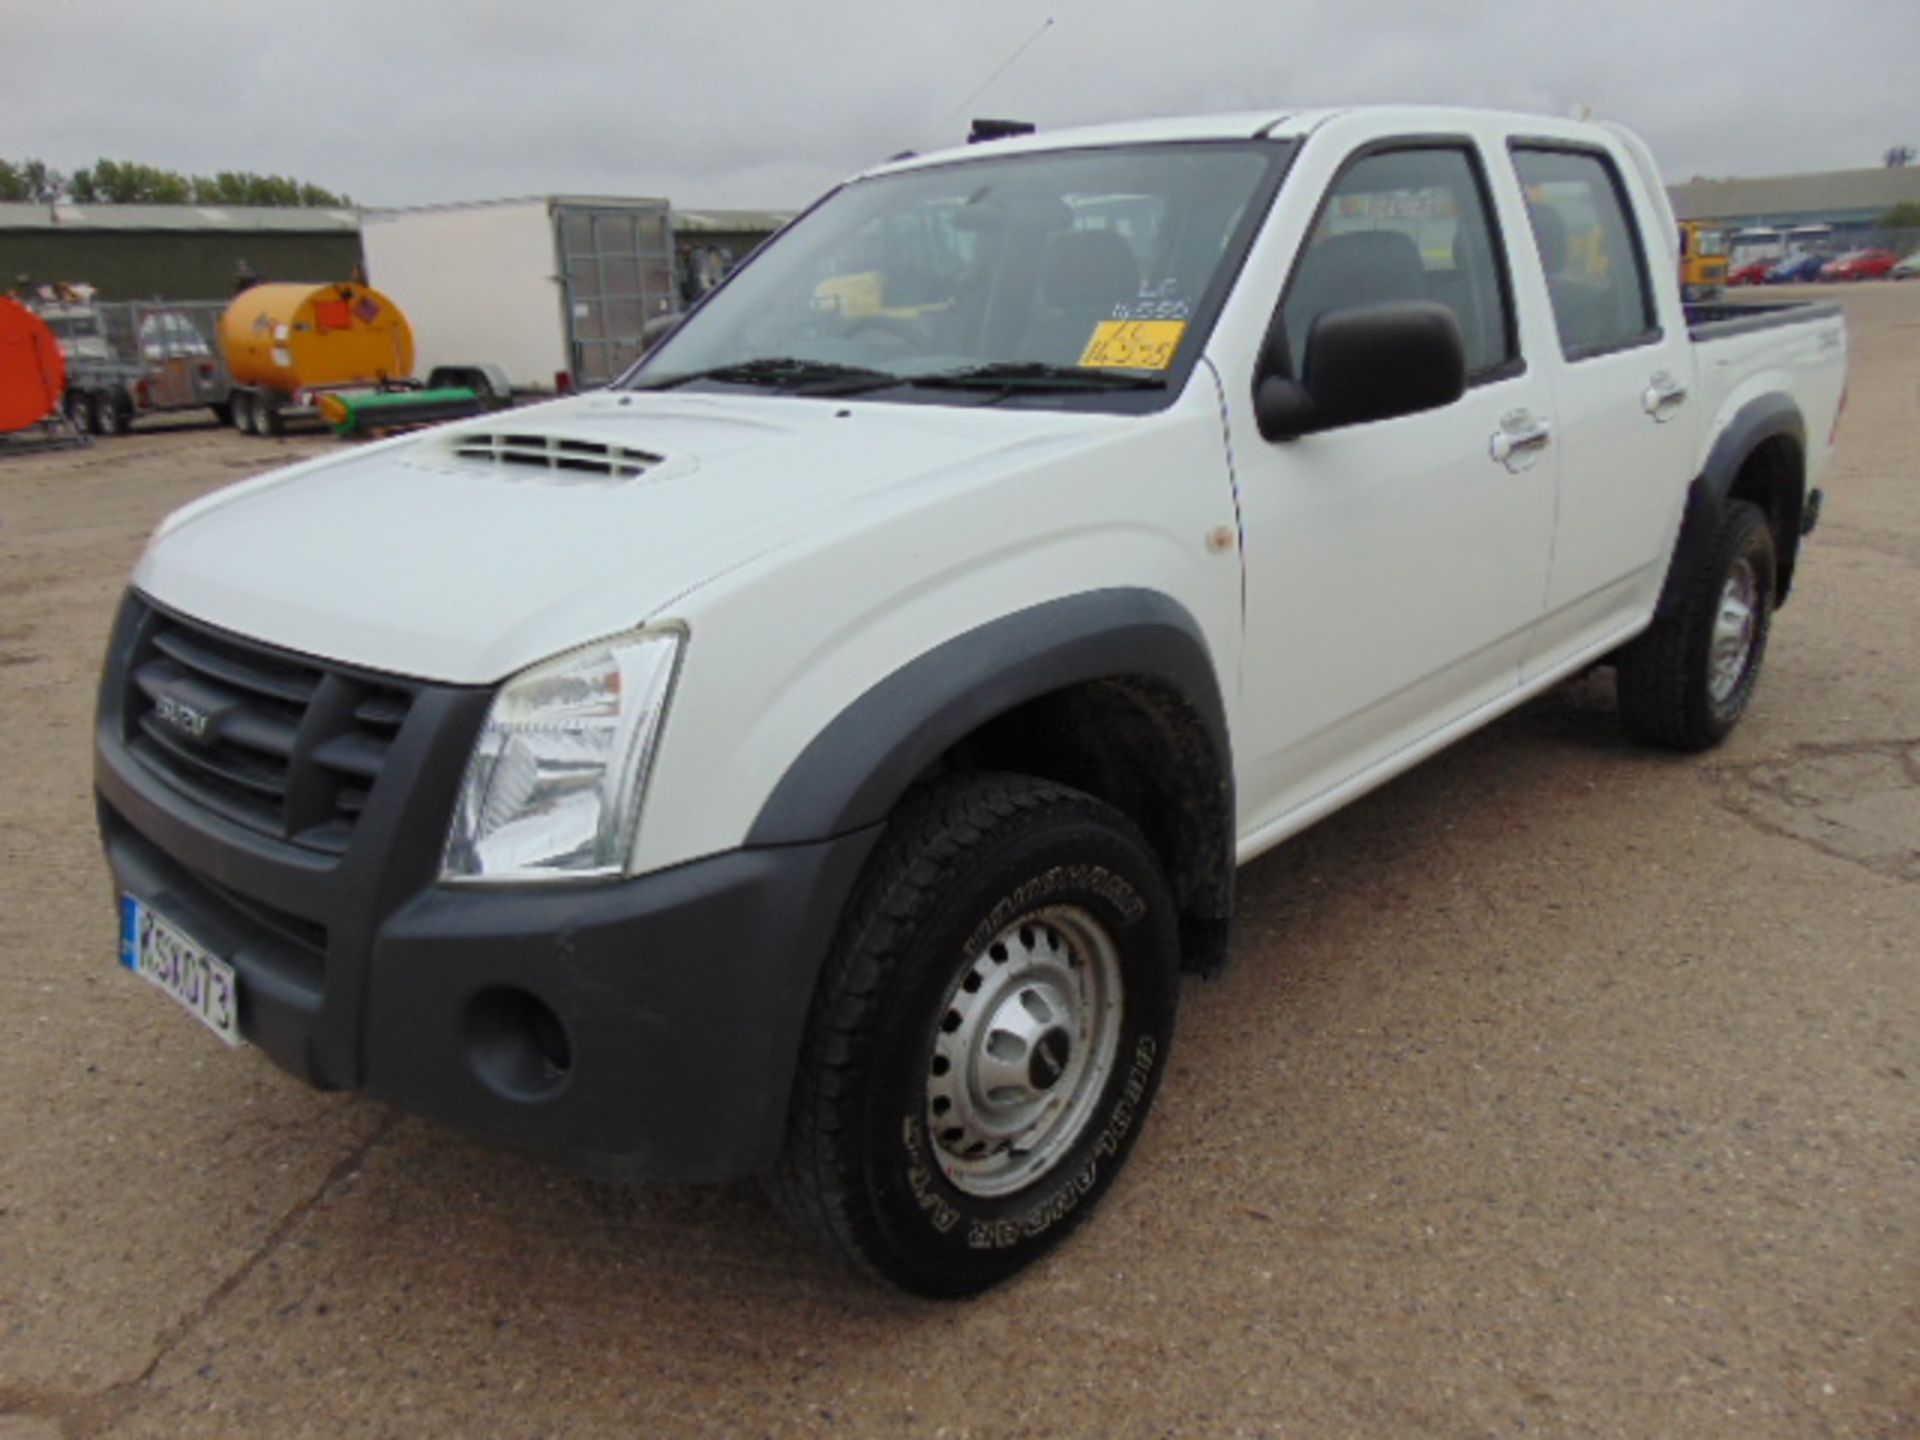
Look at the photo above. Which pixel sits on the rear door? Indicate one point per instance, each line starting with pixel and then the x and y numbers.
pixel 1621 403
pixel 1394 570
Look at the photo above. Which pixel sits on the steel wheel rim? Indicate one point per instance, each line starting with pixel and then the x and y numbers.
pixel 1023 1049
pixel 1734 625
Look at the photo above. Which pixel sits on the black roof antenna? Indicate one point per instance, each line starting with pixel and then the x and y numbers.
pixel 999 130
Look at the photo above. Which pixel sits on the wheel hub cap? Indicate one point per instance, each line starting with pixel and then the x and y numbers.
pixel 1050 1056
pixel 1023 1049
pixel 1734 625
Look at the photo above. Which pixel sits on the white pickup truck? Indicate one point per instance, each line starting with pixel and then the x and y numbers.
pixel 820 754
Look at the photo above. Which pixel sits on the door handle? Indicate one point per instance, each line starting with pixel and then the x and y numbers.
pixel 1519 440
pixel 1663 396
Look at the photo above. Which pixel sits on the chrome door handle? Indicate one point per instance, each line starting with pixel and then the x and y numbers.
pixel 1519 440
pixel 1663 396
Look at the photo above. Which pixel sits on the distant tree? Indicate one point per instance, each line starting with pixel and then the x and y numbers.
pixel 1898 157
pixel 42 183
pixel 130 182
pixel 231 187
pixel 30 180
pixel 1904 216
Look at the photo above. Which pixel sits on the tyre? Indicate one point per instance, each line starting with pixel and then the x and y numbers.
pixel 100 413
pixel 1685 683
pixel 987 1037
pixel 119 414
pixel 267 419
pixel 242 404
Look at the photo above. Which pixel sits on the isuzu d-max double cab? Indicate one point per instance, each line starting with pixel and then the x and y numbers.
pixel 820 754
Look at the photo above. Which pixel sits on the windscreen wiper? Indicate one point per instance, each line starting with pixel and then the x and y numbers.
pixel 1032 376
pixel 783 372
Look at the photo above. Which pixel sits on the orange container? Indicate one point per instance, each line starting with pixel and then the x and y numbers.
pixel 33 373
pixel 302 337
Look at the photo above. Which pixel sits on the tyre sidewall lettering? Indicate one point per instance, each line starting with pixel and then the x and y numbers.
pixel 951 1221
pixel 1056 883
pixel 1025 1217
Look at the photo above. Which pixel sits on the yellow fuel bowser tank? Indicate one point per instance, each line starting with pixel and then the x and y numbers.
pixel 283 342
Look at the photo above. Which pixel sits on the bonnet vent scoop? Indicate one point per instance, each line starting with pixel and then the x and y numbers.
pixel 556 452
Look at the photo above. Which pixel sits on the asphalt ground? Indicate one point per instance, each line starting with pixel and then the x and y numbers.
pixel 1558 1088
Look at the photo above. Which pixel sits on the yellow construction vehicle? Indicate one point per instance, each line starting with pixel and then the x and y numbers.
pixel 1703 260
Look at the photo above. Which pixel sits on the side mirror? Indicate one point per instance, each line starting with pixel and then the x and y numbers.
pixel 1367 362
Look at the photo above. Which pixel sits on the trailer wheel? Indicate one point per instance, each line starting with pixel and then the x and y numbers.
pixel 100 413
pixel 268 419
pixel 240 407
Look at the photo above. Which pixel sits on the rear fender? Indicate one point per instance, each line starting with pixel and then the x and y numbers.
pixel 1762 419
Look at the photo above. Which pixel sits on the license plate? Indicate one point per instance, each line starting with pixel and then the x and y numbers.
pixel 158 951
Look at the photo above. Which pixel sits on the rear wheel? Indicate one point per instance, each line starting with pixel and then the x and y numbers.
pixel 241 404
pixel 267 417
pixel 1686 682
pixel 988 1037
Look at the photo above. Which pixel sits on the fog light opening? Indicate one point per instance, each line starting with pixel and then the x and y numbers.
pixel 517 1046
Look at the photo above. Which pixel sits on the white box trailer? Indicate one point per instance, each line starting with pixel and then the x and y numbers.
pixel 555 290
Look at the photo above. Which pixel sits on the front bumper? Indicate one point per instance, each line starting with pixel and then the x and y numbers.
pixel 643 1029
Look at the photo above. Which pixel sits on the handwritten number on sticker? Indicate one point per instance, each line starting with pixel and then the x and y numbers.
pixel 1133 344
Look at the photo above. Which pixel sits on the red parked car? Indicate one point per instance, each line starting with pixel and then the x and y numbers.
pixel 1754 272
pixel 1860 265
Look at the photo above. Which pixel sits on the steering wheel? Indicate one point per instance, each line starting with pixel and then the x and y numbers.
pixel 888 329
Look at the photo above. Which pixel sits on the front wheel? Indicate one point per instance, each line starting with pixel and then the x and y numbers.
pixel 987 1038
pixel 1685 683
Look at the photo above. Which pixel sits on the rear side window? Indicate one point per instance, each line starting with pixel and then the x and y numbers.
pixel 1407 224
pixel 1596 270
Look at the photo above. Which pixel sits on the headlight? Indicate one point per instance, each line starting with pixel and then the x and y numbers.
pixel 553 789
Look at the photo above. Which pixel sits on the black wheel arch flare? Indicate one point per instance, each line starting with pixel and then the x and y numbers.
pixel 1767 421
pixel 1130 642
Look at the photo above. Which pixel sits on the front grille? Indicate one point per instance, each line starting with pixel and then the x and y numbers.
pixel 552 452
pixel 283 744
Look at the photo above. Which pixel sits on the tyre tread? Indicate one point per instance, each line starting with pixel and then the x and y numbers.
pixel 1660 677
pixel 932 838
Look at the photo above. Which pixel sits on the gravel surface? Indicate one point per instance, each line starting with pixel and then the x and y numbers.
pixel 1557 1088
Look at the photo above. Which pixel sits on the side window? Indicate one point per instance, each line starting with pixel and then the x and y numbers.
pixel 1406 225
pixel 1596 270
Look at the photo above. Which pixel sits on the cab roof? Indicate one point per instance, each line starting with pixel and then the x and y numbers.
pixel 1275 124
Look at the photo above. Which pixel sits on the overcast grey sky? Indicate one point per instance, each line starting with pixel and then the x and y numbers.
pixel 755 103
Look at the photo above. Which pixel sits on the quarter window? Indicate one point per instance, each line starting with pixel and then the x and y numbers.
pixel 1596 272
pixel 1401 225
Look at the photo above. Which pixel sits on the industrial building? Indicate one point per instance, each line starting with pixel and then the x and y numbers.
pixel 1849 202
pixel 179 252
pixel 195 252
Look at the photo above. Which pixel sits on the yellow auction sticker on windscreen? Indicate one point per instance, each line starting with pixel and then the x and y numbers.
pixel 1134 344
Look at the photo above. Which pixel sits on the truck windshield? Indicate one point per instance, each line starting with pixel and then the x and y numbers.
pixel 73 327
pixel 1071 272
